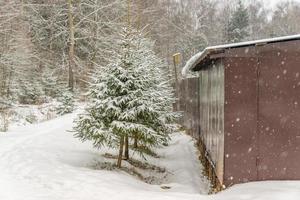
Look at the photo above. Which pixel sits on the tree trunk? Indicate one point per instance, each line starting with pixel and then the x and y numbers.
pixel 135 143
pixel 119 163
pixel 126 153
pixel 95 35
pixel 71 45
pixel 8 90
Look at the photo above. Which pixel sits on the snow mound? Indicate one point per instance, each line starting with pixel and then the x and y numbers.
pixel 22 115
pixel 44 162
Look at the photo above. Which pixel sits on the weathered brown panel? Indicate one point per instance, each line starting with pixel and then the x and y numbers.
pixel 279 111
pixel 192 117
pixel 182 99
pixel 189 105
pixel 240 115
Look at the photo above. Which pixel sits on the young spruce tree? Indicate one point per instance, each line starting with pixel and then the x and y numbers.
pixel 238 27
pixel 126 100
pixel 159 92
pixel 66 102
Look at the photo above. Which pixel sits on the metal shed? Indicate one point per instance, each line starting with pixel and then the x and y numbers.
pixel 247 102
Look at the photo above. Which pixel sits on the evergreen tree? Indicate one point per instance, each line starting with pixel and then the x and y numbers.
pixel 28 87
pixel 66 102
pixel 124 101
pixel 238 26
pixel 29 91
pixel 51 83
pixel 159 91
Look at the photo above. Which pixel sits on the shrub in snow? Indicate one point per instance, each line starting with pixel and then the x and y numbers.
pixel 29 92
pixel 4 114
pixel 66 102
pixel 4 120
pixel 130 100
pixel 51 83
pixel 31 118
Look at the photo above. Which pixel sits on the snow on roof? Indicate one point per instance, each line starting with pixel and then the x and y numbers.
pixel 193 61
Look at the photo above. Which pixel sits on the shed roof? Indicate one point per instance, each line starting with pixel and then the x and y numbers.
pixel 200 57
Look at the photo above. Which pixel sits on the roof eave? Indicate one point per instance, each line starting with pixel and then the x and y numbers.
pixel 193 64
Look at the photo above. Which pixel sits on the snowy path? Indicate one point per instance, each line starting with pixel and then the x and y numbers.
pixel 45 162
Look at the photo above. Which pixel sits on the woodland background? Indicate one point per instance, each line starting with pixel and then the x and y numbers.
pixel 50 45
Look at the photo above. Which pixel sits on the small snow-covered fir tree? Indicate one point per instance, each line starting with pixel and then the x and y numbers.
pixel 51 83
pixel 5 105
pixel 124 101
pixel 159 94
pixel 29 90
pixel 66 102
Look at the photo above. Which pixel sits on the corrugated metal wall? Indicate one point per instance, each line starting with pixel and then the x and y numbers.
pixel 202 100
pixel 211 114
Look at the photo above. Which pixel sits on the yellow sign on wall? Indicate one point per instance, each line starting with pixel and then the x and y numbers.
pixel 176 58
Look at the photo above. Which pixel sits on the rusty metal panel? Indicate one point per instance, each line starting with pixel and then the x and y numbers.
pixel 279 111
pixel 211 114
pixel 240 115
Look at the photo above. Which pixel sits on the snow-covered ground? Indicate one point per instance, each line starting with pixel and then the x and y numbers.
pixel 22 115
pixel 44 162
